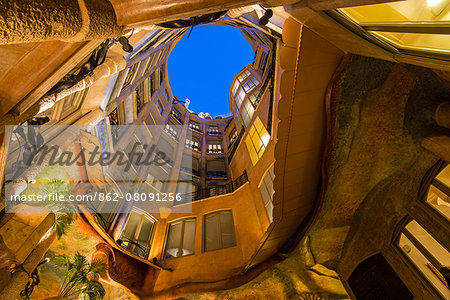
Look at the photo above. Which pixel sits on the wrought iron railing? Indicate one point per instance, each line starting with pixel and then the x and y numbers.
pixel 233 146
pixel 139 102
pixel 176 116
pixel 216 190
pixel 216 174
pixel 114 122
pixel 134 247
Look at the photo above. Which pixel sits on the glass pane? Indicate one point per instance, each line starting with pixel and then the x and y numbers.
pixel 144 234
pixel 423 264
pixel 189 237
pixel 227 229
pixel 401 11
pixel 439 201
pixel 431 42
pixel 267 191
pixel 173 240
pixel 429 243
pixel 211 233
pixel 130 228
pixel 444 176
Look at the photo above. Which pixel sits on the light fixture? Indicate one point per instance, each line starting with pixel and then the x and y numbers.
pixel 437 6
pixel 125 44
pixel 265 18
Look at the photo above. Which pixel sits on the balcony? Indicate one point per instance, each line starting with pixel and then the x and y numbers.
pixel 234 144
pixel 192 172
pixel 138 249
pixel 176 116
pixel 139 102
pixel 213 131
pixel 215 151
pixel 195 127
pixel 216 190
pixel 216 174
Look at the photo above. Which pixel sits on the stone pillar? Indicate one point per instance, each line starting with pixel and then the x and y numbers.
pixel 31 172
pixel 25 21
pixel 443 114
pixel 439 144
pixel 20 278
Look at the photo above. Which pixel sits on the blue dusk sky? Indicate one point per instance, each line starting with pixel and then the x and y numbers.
pixel 202 67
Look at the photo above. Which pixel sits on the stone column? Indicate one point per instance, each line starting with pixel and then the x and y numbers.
pixel 21 183
pixel 26 21
pixel 20 278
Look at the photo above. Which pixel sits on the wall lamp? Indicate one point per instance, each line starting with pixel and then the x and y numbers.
pixel 265 18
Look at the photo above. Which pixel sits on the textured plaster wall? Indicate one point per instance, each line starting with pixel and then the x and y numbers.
pixel 24 21
pixel 380 111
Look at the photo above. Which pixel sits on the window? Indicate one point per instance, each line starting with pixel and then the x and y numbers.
pixel 233 136
pixel 137 234
pixel 254 98
pixel 250 84
pixel 215 168
pixel 262 61
pixel 427 254
pixel 410 25
pixel 145 87
pixel 235 87
pixel 149 63
pixel 162 73
pixel 159 106
pixel 166 95
pixel 160 53
pixel 194 126
pixel 176 114
pixel 171 131
pixel 439 193
pixel 213 129
pixel 214 148
pixel 244 75
pixel 130 75
pixel 192 144
pixel 152 84
pixel 134 151
pixel 247 112
pixel 157 177
pixel 218 230
pixel 240 97
pixel 138 101
pixel 266 189
pixel 180 238
pixel 257 140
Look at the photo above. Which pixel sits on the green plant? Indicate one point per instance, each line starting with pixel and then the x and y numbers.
pixel 65 214
pixel 81 278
